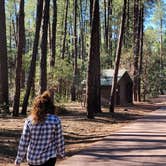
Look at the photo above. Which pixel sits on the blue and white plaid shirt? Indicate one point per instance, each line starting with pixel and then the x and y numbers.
pixel 40 142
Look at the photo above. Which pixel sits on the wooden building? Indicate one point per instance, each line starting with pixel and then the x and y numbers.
pixel 124 90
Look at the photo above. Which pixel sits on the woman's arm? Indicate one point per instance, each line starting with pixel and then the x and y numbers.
pixel 23 144
pixel 60 141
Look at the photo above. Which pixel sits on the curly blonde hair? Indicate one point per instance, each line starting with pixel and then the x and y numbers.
pixel 42 105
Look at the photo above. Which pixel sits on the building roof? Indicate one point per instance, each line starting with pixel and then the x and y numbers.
pixel 110 72
pixel 107 76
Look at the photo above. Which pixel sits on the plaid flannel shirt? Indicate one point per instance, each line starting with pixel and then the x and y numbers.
pixel 40 142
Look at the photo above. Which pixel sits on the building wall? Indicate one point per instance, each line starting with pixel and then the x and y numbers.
pixel 124 93
pixel 105 95
pixel 125 89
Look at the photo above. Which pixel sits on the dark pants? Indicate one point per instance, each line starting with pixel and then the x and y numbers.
pixel 50 162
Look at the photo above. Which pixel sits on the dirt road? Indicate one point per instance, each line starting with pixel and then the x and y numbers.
pixel 141 143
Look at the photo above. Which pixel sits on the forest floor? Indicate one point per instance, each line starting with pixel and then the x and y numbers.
pixel 79 132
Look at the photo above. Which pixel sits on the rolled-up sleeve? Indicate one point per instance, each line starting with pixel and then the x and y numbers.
pixel 23 144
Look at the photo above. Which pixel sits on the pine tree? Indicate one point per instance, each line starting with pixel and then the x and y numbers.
pixel 21 47
pixel 117 58
pixel 93 79
pixel 39 11
pixel 43 63
pixel 4 99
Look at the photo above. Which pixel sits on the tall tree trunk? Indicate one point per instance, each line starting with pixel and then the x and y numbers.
pixel 70 41
pixel 16 23
pixel 82 33
pixel 4 99
pixel 23 77
pixel 93 79
pixel 54 25
pixel 161 33
pixel 161 65
pixel 136 49
pixel 141 49
pixel 43 63
pixel 75 73
pixel 10 61
pixel 21 33
pixel 117 59
pixel 23 53
pixel 138 45
pixel 91 10
pixel 105 25
pixel 39 11
pixel 115 36
pixel 109 22
pixel 65 30
pixel 49 37
pixel 126 44
pixel 10 33
pixel 14 31
pixel 161 43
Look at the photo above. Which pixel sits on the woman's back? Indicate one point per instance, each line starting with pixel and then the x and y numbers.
pixel 42 138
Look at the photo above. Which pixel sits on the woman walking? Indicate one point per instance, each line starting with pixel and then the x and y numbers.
pixel 42 140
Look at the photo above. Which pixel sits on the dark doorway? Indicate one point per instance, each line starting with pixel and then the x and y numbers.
pixel 129 92
pixel 118 95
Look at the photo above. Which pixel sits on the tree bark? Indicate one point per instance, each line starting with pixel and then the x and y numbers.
pixel 136 49
pixel 93 79
pixel 16 23
pixel 75 73
pixel 109 24
pixel 126 44
pixel 23 53
pixel 82 34
pixel 21 33
pixel 54 25
pixel 105 25
pixel 10 33
pixel 65 30
pixel 91 10
pixel 32 69
pixel 141 49
pixel 14 31
pixel 117 59
pixel 161 34
pixel 49 37
pixel 43 63
pixel 4 98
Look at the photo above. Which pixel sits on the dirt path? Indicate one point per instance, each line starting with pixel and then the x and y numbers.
pixel 142 143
